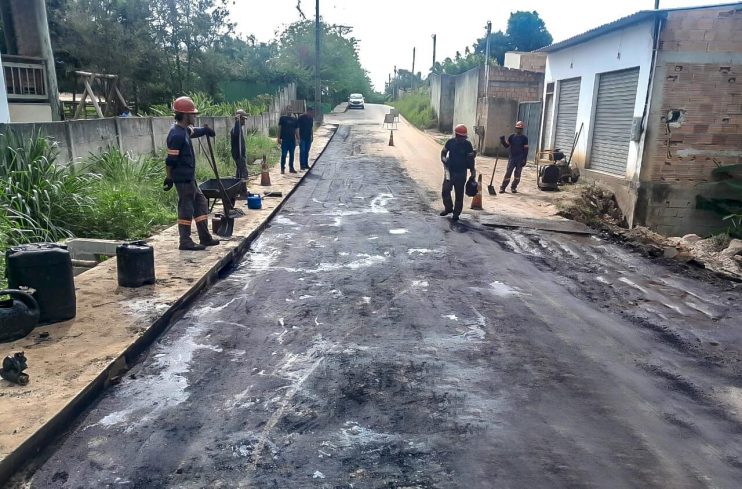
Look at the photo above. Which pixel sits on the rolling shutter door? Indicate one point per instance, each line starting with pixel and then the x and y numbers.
pixel 614 114
pixel 569 98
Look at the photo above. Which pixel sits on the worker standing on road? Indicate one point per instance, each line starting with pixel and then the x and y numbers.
pixel 181 172
pixel 457 157
pixel 306 135
pixel 239 154
pixel 518 145
pixel 288 133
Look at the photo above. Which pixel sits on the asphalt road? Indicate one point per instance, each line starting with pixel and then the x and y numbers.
pixel 366 342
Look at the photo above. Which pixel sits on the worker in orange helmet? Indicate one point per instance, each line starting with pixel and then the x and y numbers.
pixel 181 173
pixel 518 145
pixel 457 157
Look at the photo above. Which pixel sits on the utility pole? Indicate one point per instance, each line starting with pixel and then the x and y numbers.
pixel 435 40
pixel 318 114
pixel 656 4
pixel 394 87
pixel 412 81
pixel 487 59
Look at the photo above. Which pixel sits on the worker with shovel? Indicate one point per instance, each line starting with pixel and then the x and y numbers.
pixel 518 145
pixel 239 155
pixel 181 173
pixel 457 157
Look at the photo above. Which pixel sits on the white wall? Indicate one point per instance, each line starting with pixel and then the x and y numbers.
pixel 627 48
pixel 4 111
pixel 512 60
pixel 30 112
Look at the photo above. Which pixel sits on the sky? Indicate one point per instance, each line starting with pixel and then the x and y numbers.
pixel 388 30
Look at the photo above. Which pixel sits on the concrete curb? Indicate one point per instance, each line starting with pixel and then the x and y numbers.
pixel 340 108
pixel 47 433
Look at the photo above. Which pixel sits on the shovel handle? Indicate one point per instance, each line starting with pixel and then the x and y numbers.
pixel 225 197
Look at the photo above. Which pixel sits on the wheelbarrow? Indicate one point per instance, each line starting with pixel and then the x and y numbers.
pixel 232 186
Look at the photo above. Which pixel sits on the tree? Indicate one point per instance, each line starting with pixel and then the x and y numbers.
pixel 526 32
pixel 341 72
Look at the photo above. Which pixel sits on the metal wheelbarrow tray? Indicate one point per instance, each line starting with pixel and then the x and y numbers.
pixel 233 186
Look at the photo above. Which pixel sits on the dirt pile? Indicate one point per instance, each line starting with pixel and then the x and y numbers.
pixel 594 206
pixel 597 207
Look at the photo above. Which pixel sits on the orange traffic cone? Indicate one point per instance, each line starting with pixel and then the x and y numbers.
pixel 265 177
pixel 476 201
pixel 391 137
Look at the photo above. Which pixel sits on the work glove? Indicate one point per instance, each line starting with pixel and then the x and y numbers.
pixel 167 184
pixel 502 139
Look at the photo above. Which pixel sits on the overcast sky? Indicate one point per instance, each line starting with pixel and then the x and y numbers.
pixel 389 29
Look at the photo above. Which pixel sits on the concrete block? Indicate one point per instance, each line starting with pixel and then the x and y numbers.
pixel 89 249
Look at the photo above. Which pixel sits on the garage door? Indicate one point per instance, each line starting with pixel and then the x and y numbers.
pixel 614 114
pixel 569 97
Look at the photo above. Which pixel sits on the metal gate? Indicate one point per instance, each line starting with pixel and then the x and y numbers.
pixel 566 123
pixel 530 114
pixel 614 114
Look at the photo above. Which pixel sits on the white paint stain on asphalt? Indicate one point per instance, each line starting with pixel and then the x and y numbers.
pixel 152 395
pixel 420 284
pixel 504 290
pixel 285 221
pixel 398 231
pixel 451 317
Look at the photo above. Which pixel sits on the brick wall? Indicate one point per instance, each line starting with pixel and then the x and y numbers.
pixel 520 85
pixel 705 97
pixel 533 62
pixel 695 123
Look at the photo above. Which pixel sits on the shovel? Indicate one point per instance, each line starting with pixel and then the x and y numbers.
pixel 226 224
pixel 490 187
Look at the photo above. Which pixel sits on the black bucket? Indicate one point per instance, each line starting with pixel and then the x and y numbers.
pixel 46 268
pixel 136 264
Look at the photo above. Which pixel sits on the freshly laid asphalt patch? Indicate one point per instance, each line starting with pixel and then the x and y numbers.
pixel 569 227
pixel 366 343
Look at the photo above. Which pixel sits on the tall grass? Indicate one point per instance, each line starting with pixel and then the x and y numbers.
pixel 208 107
pixel 416 108
pixel 40 198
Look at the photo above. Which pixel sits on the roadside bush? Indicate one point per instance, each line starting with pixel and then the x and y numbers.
pixel 415 107
pixel 39 198
pixel 208 107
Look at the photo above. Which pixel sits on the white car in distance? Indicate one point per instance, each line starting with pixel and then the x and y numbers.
pixel 356 101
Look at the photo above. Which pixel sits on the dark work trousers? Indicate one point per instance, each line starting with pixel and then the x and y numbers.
pixel 516 166
pixel 304 146
pixel 457 184
pixel 241 163
pixel 192 206
pixel 288 146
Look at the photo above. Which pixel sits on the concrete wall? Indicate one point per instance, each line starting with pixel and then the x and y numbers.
pixel 140 135
pixel 28 112
pixel 442 97
pixel 498 116
pixel 466 99
pixel 699 75
pixel 626 48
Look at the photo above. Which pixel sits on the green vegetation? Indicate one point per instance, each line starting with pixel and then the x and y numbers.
pixel 166 48
pixel 415 107
pixel 111 195
pixel 208 107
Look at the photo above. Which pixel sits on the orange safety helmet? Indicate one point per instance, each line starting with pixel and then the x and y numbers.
pixel 184 105
pixel 461 130
pixel 519 125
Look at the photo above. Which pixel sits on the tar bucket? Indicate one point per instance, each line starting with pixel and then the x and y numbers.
pixel 135 263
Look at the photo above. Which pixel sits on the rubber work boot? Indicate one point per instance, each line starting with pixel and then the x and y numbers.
pixel 204 236
pixel 513 190
pixel 186 243
pixel 455 217
pixel 502 190
pixel 445 213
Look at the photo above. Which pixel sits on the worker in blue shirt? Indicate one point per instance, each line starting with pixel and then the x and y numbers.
pixel 181 173
pixel 518 145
